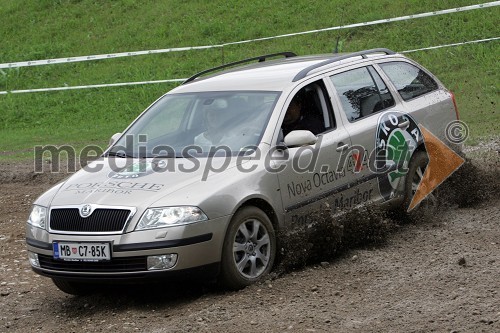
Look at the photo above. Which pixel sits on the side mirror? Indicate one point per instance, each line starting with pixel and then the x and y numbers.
pixel 300 138
pixel 113 139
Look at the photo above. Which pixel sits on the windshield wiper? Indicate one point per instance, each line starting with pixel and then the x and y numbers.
pixel 165 156
pixel 118 154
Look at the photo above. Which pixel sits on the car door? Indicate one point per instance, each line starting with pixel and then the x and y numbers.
pixel 309 175
pixel 380 131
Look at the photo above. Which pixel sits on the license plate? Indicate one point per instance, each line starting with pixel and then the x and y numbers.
pixel 82 251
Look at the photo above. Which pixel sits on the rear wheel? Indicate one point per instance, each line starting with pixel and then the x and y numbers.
pixel 249 248
pixel 418 164
pixel 74 288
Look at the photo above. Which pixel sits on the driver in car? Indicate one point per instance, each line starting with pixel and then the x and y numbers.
pixel 297 118
pixel 229 128
pixel 214 120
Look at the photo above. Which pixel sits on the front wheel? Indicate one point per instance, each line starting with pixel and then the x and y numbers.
pixel 249 248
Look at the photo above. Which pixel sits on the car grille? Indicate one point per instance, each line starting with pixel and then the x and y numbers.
pixel 101 220
pixel 129 264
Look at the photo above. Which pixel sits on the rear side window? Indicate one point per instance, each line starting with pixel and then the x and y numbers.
pixel 361 92
pixel 409 80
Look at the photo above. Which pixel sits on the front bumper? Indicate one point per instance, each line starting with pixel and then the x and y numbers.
pixel 198 247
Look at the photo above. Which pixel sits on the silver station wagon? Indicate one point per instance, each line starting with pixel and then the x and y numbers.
pixel 207 177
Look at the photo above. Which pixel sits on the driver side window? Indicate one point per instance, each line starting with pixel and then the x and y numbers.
pixel 310 110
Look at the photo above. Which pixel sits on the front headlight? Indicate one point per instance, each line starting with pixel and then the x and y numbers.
pixel 170 216
pixel 38 216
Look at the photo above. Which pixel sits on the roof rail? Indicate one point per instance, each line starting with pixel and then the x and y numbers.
pixel 303 73
pixel 259 58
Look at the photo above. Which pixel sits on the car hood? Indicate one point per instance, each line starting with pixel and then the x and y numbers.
pixel 121 182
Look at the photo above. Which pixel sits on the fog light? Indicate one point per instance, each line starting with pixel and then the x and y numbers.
pixel 33 257
pixel 164 261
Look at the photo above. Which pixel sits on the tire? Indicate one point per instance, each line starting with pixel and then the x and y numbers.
pixel 74 288
pixel 418 164
pixel 249 249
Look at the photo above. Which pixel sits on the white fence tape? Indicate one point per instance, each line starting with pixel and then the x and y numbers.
pixel 121 84
pixel 179 49
pixel 454 44
pixel 364 24
pixel 181 80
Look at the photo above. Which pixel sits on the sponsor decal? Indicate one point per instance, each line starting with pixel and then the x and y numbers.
pixel 397 137
pixel 317 180
pixel 122 182
pixel 443 161
pixel 338 202
pixel 134 170
pixel 114 187
pixel 352 198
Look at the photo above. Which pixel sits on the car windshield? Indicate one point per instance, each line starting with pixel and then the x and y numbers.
pixel 198 124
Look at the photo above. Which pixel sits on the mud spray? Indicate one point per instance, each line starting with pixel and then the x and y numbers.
pixel 475 183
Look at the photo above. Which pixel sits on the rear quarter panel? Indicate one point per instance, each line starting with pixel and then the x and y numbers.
pixel 433 110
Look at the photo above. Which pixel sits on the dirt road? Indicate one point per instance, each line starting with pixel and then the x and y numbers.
pixel 441 274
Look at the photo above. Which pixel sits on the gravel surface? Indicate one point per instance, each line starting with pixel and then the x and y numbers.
pixel 436 274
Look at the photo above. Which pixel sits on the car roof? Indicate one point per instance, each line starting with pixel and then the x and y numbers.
pixel 273 75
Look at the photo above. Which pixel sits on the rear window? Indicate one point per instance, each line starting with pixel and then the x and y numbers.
pixel 410 81
pixel 362 92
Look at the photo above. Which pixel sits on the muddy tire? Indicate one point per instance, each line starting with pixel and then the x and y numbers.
pixel 249 249
pixel 418 164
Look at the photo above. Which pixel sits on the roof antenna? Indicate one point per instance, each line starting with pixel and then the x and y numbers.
pixel 336 50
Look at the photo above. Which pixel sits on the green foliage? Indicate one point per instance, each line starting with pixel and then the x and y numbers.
pixel 44 29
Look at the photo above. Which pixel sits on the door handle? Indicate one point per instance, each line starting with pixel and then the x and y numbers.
pixel 341 146
pixel 404 124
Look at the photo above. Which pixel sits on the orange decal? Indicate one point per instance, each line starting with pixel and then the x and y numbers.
pixel 443 161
